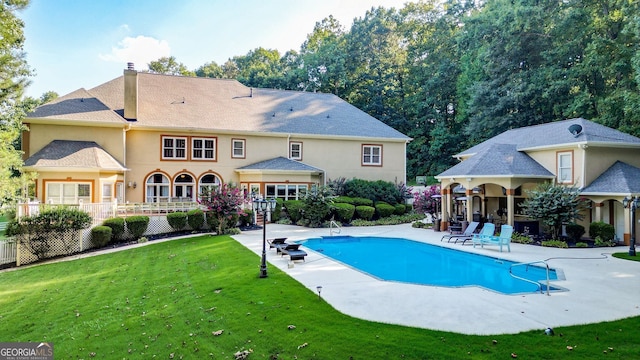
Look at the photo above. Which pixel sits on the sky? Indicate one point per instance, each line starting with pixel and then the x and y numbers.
pixel 73 44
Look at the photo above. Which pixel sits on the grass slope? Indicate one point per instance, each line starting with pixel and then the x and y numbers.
pixel 167 300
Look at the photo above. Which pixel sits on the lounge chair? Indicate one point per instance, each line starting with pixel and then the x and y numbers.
pixel 504 239
pixel 487 230
pixel 276 243
pixel 468 232
pixel 293 251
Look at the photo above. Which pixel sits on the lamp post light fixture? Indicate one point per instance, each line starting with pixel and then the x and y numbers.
pixel 265 207
pixel 319 288
pixel 632 203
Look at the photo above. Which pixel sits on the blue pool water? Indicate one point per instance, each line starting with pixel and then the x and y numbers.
pixel 410 261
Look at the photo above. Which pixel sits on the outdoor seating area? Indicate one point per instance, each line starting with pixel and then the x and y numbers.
pixel 283 248
pixel 467 233
pixel 504 239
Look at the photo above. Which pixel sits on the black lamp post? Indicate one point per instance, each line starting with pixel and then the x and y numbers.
pixel 633 204
pixel 265 207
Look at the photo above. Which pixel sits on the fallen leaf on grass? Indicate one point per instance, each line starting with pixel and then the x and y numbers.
pixel 217 333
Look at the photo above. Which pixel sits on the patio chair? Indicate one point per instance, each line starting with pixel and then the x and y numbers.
pixel 504 239
pixel 277 243
pixel 468 232
pixel 487 230
pixel 293 251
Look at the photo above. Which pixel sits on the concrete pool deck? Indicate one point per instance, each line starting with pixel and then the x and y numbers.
pixel 599 288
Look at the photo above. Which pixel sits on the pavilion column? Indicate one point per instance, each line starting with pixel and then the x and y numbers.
pixel 469 195
pixel 511 206
pixel 446 204
pixel 598 207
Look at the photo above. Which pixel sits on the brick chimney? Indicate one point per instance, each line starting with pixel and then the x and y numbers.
pixel 130 93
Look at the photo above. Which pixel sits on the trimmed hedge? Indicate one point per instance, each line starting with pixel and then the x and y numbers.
pixel 117 228
pixel 384 210
pixel 137 225
pixel 343 212
pixel 400 209
pixel 575 231
pixel 343 200
pixel 358 201
pixel 100 236
pixel 365 212
pixel 246 218
pixel 195 219
pixel 605 231
pixel 177 220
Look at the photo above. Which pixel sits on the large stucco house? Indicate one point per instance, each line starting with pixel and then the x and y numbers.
pixel 145 137
pixel 492 177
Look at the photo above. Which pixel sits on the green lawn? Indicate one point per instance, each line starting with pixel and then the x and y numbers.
pixel 167 300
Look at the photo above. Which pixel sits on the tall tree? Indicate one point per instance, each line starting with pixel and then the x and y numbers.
pixel 210 70
pixel 259 68
pixel 14 74
pixel 169 66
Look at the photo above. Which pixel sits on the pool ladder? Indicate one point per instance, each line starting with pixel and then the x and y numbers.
pixel 338 228
pixel 531 281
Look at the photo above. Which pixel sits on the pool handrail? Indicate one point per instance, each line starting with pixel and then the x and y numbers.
pixel 339 229
pixel 537 283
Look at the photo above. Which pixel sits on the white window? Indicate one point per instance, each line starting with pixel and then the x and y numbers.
pixel 68 193
pixel 174 148
pixel 565 168
pixel 208 183
pixel 107 192
pixel 237 148
pixel 203 148
pixel 286 191
pixel 295 150
pixel 157 188
pixel 372 155
pixel 183 188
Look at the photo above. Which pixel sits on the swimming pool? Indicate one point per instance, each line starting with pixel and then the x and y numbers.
pixel 403 260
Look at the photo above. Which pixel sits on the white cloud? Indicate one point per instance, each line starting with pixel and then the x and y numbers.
pixel 140 50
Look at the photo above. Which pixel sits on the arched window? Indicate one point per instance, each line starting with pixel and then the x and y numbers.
pixel 157 188
pixel 183 187
pixel 208 183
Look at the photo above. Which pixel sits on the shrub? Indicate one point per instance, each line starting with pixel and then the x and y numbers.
pixel 246 218
pixel 343 200
pixel 365 212
pixel 137 225
pixel 294 209
pixel 603 230
pixel 555 243
pixel 213 220
pixel 100 236
pixel 195 219
pixel 600 242
pixel 343 212
pixel 378 190
pixel 400 209
pixel 224 202
pixel 276 214
pixel 520 239
pixel 384 210
pixel 575 231
pixel 117 228
pixel 317 206
pixel 362 202
pixel 582 245
pixel 177 220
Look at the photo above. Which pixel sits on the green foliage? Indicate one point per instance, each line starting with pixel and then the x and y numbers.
pixel 520 239
pixel 169 66
pixel 343 212
pixel 246 218
pixel 582 245
pixel 195 219
pixel 554 205
pixel 294 209
pixel 365 212
pixel 317 206
pixel 600 242
pixel 100 236
pixel 384 210
pixel 602 230
pixel 575 231
pixel 344 200
pixel 337 186
pixel 376 191
pixel 177 220
pixel 391 220
pixel 117 228
pixel 276 214
pixel 400 209
pixel 39 232
pixel 358 201
pixel 137 225
pixel 421 225
pixel 555 243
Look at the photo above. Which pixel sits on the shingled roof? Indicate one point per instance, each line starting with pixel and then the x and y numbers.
pixel 498 160
pixel 74 154
pixel 556 134
pixel 621 178
pixel 280 164
pixel 205 104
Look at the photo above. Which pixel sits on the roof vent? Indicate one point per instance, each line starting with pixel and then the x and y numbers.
pixel 575 129
pixel 130 66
